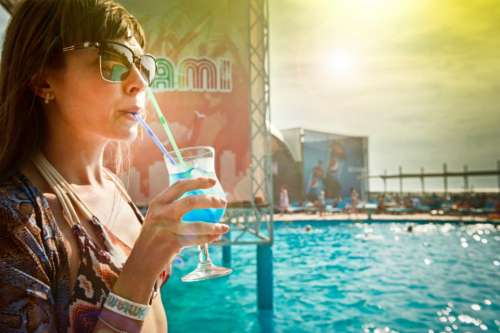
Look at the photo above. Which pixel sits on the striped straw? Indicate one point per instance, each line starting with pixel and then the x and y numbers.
pixel 164 124
pixel 155 139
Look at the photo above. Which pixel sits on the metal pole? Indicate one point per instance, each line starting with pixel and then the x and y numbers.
pixel 466 178
pixel 226 251
pixel 385 181
pixel 422 180
pixel 400 180
pixel 264 277
pixel 445 172
pixel 498 168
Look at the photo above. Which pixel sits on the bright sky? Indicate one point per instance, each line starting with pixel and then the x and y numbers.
pixel 420 78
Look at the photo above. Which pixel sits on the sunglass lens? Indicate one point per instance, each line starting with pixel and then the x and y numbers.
pixel 114 66
pixel 148 68
pixel 116 62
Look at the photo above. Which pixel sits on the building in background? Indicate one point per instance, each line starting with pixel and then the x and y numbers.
pixel 309 162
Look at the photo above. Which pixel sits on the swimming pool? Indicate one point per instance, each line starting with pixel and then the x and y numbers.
pixel 344 277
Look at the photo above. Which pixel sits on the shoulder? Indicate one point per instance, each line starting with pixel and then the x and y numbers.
pixel 18 202
pixel 27 226
pixel 31 246
pixel 27 259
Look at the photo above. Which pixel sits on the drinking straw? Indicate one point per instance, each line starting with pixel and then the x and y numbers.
pixel 155 139
pixel 164 124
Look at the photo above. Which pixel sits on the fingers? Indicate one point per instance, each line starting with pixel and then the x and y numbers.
pixel 190 240
pixel 200 228
pixel 175 191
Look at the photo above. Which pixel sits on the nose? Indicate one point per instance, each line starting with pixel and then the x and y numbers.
pixel 134 83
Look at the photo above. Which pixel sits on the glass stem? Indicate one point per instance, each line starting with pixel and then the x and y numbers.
pixel 204 256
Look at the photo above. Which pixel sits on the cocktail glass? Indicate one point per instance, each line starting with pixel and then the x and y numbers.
pixel 200 162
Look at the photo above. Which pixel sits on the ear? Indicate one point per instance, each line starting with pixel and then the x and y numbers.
pixel 41 87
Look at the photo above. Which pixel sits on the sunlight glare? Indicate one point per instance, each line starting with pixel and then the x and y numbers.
pixel 342 62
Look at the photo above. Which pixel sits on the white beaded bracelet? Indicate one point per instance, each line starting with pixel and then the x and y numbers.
pixel 126 307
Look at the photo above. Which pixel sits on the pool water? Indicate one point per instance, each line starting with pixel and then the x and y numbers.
pixel 343 277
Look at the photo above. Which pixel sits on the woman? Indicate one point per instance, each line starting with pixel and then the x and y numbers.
pixel 333 188
pixel 73 253
pixel 284 200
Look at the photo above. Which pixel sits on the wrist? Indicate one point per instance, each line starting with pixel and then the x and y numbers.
pixel 142 270
pixel 126 307
pixel 134 286
pixel 119 323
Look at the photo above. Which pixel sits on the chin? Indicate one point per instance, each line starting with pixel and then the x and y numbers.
pixel 126 134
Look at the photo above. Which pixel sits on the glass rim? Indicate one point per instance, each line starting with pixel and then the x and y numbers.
pixel 206 151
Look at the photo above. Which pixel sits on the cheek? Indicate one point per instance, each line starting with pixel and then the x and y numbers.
pixel 88 99
pixel 82 90
pixel 83 100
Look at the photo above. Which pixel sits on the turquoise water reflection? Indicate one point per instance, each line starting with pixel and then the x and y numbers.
pixel 352 278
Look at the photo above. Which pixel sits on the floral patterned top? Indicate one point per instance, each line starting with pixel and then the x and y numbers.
pixel 35 294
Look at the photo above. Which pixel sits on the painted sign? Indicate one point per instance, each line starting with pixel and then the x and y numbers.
pixel 202 88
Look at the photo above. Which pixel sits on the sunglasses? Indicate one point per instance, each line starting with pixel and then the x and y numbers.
pixel 116 61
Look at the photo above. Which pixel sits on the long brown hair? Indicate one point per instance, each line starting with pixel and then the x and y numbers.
pixel 35 36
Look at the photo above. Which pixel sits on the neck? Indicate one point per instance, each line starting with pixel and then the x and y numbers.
pixel 77 159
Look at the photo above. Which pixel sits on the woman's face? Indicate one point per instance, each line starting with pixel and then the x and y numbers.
pixel 91 108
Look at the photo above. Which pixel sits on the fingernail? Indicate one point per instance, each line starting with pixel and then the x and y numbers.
pixel 211 181
pixel 222 227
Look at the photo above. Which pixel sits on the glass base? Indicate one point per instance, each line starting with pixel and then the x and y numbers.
pixel 206 271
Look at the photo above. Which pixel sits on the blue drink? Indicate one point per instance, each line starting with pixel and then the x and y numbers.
pixel 199 162
pixel 200 215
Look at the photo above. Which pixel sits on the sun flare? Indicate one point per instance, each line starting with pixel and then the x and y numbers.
pixel 342 62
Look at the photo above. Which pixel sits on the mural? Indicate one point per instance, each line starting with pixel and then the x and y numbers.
pixel 334 164
pixel 202 88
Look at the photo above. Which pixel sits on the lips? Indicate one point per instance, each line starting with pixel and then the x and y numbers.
pixel 132 110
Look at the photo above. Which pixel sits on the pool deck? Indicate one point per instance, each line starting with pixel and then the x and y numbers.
pixel 404 218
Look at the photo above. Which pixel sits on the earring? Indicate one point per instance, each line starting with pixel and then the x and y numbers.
pixel 47 99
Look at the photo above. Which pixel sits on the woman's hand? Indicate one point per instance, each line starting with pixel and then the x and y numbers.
pixel 163 219
pixel 163 236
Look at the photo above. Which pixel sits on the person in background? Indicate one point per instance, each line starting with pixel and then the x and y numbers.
pixel 334 170
pixel 354 200
pixel 316 183
pixel 381 203
pixel 284 200
pixel 76 254
pixel 321 203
